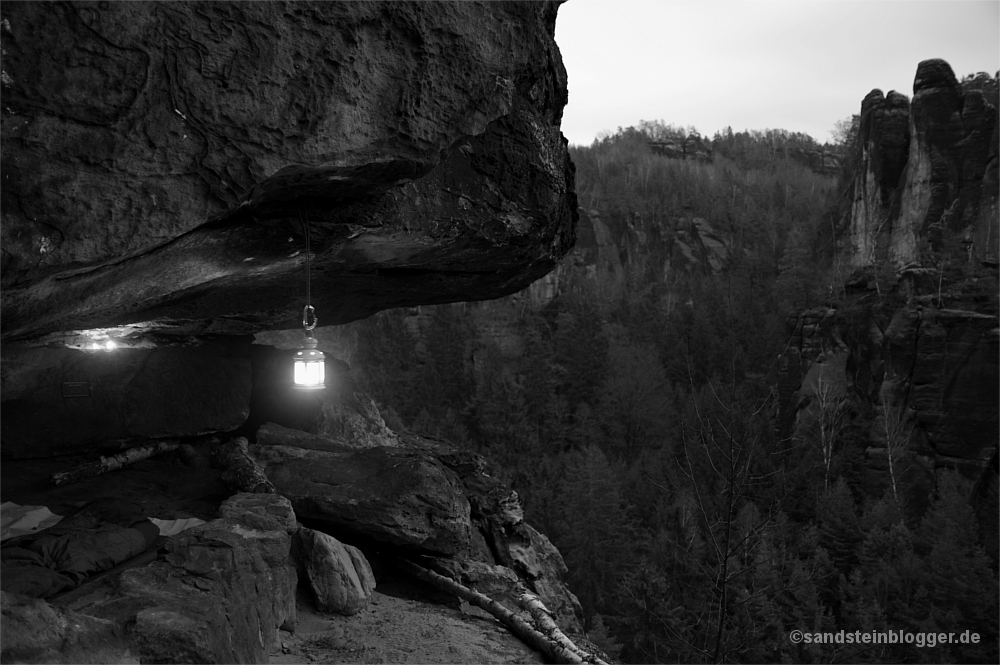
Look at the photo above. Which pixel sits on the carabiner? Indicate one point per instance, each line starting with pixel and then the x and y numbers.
pixel 308 311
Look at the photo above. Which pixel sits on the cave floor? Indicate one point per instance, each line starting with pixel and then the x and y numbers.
pixel 404 623
pixel 164 486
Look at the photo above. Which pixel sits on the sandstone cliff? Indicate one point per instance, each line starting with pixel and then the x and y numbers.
pixel 928 171
pixel 914 337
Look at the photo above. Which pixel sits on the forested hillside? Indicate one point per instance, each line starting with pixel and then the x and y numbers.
pixel 633 404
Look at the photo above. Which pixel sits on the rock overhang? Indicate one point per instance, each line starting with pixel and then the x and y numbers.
pixel 175 198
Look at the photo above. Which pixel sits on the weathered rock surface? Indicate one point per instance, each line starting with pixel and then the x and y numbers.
pixel 401 497
pixel 35 632
pixel 260 512
pixel 689 244
pixel 946 365
pixel 692 147
pixel 498 582
pixel 536 560
pixel 918 320
pixel 928 170
pixel 340 576
pixel 698 243
pixel 161 159
pixel 421 496
pixel 823 162
pixel 884 140
pixel 57 400
pixel 595 245
pixel 241 472
pixel 218 594
pixel 940 365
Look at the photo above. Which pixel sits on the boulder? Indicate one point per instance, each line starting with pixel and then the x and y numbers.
pixel 423 496
pixel 539 564
pixel 401 497
pixel 36 632
pixel 241 472
pixel 162 161
pixel 499 518
pixel 218 593
pixel 338 574
pixel 262 513
pixel 498 582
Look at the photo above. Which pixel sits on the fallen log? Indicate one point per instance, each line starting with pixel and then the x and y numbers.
pixel 548 627
pixel 242 473
pixel 521 628
pixel 114 462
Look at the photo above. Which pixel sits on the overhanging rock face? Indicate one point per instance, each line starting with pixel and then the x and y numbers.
pixel 162 160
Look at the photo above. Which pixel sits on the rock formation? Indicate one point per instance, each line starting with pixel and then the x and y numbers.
pixel 36 632
pixel 340 576
pixel 170 171
pixel 928 171
pixel 393 495
pixel 693 147
pixel 420 497
pixel 218 594
pixel 916 333
pixel 823 162
pixel 161 161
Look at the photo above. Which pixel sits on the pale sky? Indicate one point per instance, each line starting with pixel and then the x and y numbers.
pixel 798 65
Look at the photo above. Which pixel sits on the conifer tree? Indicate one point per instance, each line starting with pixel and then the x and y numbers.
pixel 961 585
pixel 597 542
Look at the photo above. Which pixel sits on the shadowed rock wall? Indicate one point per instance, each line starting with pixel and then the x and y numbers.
pixel 64 400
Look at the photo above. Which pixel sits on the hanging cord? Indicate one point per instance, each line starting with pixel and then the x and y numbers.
pixel 308 311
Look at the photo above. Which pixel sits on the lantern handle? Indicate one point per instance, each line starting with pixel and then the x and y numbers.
pixel 307 312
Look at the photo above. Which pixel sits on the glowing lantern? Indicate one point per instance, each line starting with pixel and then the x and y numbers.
pixel 310 366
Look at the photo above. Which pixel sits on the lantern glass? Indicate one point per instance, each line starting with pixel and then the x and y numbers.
pixel 310 369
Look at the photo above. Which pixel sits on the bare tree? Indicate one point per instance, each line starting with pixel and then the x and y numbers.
pixel 829 422
pixel 730 442
pixel 896 428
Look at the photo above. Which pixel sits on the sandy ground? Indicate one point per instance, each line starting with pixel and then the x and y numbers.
pixel 406 621
pixel 400 625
